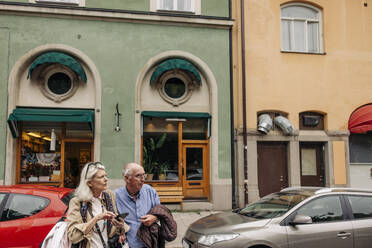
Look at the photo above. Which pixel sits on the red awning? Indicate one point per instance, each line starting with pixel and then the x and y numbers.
pixel 361 120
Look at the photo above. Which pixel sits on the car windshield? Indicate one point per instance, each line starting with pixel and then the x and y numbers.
pixel 273 205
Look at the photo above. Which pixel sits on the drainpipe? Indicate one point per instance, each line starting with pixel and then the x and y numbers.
pixel 233 179
pixel 244 103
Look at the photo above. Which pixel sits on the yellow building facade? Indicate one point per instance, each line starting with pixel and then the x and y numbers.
pixel 309 62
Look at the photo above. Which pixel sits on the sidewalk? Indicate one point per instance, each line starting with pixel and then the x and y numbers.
pixel 184 219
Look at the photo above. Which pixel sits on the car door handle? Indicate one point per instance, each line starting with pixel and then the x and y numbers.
pixel 343 235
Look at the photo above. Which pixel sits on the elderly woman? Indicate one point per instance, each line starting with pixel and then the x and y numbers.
pixel 91 217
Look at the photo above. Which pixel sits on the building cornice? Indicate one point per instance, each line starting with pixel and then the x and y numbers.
pixel 63 11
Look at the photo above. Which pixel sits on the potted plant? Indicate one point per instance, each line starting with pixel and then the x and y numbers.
pixel 162 168
pixel 150 158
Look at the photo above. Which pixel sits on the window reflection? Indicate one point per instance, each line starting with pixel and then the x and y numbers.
pixel 38 162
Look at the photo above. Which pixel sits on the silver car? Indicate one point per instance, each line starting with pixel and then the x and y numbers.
pixel 305 217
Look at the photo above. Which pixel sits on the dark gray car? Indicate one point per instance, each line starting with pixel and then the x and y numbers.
pixel 305 217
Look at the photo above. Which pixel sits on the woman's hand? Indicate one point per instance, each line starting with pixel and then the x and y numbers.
pixel 117 223
pixel 105 216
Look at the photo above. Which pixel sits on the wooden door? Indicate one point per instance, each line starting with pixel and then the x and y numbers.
pixel 195 170
pixel 312 165
pixel 272 167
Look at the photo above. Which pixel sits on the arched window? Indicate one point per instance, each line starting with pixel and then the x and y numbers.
pixel 301 28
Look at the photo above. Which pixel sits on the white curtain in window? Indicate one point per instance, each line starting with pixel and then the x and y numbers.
pixel 300 28
pixel 313 30
pixel 184 5
pixel 167 4
pixel 176 5
pixel 286 37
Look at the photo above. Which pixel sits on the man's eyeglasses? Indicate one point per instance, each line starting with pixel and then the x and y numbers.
pixel 95 164
pixel 139 176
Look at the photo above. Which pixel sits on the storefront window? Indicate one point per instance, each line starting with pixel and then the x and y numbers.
pixel 195 129
pixel 160 149
pixel 40 157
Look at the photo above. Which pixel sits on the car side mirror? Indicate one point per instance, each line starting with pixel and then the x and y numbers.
pixel 301 219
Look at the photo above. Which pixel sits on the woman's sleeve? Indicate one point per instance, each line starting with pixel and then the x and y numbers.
pixel 76 226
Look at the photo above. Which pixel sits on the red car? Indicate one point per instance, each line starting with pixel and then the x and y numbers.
pixel 28 213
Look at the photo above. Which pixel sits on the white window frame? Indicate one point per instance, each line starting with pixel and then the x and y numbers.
pixel 80 3
pixel 306 21
pixel 155 6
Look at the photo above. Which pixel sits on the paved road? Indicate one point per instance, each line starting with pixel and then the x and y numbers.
pixel 184 219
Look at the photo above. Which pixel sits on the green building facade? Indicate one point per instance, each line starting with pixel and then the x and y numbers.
pixel 117 81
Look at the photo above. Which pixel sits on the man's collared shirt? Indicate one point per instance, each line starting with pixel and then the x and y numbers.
pixel 147 198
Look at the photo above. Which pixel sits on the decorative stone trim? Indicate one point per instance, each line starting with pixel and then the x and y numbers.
pixel 110 15
pixel 338 133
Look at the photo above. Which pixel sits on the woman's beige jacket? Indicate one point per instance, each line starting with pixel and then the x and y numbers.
pixel 76 226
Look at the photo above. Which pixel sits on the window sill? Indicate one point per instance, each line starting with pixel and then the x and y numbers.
pixel 176 11
pixel 303 52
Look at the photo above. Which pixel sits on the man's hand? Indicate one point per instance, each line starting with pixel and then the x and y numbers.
pixel 148 219
pixel 122 238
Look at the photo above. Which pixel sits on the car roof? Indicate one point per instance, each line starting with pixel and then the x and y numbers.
pixel 322 190
pixel 29 188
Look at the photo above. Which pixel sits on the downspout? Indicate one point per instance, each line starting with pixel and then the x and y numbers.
pixel 232 133
pixel 244 103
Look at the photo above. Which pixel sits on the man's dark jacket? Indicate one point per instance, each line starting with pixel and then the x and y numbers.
pixel 155 235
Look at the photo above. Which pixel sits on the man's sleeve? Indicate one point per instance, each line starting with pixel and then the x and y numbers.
pixel 155 197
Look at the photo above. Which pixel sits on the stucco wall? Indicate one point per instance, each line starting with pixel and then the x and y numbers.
pixel 119 51
pixel 4 55
pixel 335 83
pixel 208 7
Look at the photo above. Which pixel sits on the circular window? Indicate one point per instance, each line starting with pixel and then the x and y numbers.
pixel 174 88
pixel 59 83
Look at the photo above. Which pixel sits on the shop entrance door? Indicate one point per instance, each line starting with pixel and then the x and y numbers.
pixel 195 170
pixel 312 165
pixel 75 153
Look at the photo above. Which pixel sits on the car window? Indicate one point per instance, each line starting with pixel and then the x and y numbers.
pixel 22 206
pixel 361 206
pixel 1 198
pixel 273 205
pixel 323 209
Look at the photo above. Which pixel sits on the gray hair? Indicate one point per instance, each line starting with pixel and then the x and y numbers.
pixel 128 168
pixel 83 191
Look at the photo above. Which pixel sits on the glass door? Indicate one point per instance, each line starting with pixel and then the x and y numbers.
pixel 195 170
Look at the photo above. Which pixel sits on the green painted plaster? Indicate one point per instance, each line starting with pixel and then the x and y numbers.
pixel 215 8
pixel 19 1
pixel 4 55
pixel 119 51
pixel 139 5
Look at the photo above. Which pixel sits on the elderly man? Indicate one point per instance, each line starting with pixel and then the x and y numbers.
pixel 136 198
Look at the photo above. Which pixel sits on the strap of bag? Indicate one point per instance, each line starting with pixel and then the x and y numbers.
pixel 98 230
pixel 63 215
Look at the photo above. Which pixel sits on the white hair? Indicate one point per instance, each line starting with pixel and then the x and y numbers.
pixel 128 168
pixel 83 191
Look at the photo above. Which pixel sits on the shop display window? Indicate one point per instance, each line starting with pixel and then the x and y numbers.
pixel 160 149
pixel 40 158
